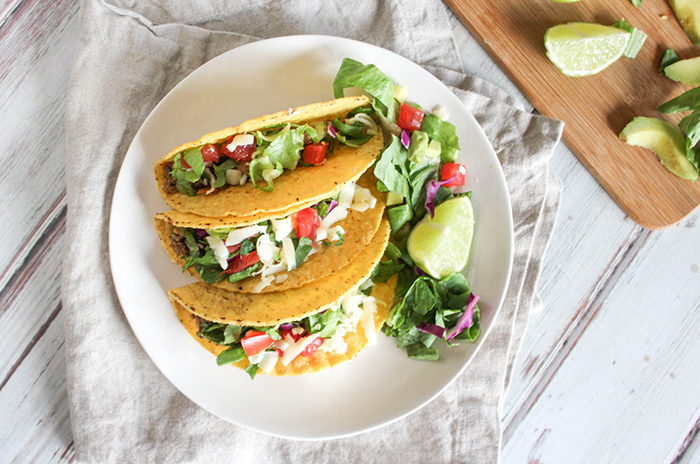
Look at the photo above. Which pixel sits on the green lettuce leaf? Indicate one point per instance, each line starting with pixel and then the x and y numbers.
pixel 354 74
pixel 391 168
pixel 443 132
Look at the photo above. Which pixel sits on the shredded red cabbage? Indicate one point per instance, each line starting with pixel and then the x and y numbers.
pixel 201 233
pixel 331 206
pixel 431 189
pixel 431 329
pixel 286 326
pixel 405 139
pixel 419 271
pixel 465 320
pixel 332 131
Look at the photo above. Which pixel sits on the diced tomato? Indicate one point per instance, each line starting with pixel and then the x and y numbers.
pixel 306 222
pixel 203 191
pixel 296 338
pixel 233 248
pixel 312 347
pixel 255 341
pixel 315 153
pixel 242 153
pixel 242 262
pixel 210 153
pixel 410 118
pixel 184 163
pixel 453 169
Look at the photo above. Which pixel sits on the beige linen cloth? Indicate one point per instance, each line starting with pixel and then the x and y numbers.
pixel 130 54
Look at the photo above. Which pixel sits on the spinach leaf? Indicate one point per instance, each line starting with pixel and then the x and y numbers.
pixel 398 216
pixel 252 370
pixel 668 59
pixel 245 273
pixel 220 172
pixel 688 101
pixel 213 331
pixel 232 333
pixel 302 249
pixel 691 126
pixel 234 354
pixel 420 351
pixel 385 269
pixel 427 300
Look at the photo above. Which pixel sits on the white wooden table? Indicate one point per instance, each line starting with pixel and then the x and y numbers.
pixel 609 371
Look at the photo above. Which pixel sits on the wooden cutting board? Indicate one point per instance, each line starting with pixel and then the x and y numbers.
pixel 596 108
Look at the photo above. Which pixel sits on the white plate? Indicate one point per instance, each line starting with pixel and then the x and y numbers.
pixel 381 385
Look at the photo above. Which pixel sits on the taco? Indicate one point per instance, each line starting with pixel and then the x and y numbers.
pixel 266 253
pixel 332 334
pixel 240 171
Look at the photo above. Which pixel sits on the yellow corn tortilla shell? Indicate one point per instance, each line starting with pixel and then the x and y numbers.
pixel 264 309
pixel 356 341
pixel 304 185
pixel 360 228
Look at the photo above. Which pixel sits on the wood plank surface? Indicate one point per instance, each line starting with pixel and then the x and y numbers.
pixel 628 392
pixel 595 108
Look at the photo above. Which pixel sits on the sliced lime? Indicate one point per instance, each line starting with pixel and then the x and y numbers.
pixel 441 245
pixel 583 49
pixel 665 140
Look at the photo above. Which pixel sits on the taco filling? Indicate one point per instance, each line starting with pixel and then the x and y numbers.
pixel 265 347
pixel 270 248
pixel 261 156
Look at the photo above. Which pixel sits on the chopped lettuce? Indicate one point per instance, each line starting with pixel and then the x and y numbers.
pixel 443 132
pixel 391 169
pixel 354 74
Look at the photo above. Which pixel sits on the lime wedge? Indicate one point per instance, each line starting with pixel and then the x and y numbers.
pixel 583 49
pixel 441 245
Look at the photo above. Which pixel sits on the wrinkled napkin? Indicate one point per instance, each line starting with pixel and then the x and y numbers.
pixel 131 53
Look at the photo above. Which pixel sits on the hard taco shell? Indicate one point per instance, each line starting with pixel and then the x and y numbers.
pixel 304 185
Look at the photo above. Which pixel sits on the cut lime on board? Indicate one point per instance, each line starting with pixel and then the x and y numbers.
pixel 441 245
pixel 583 49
